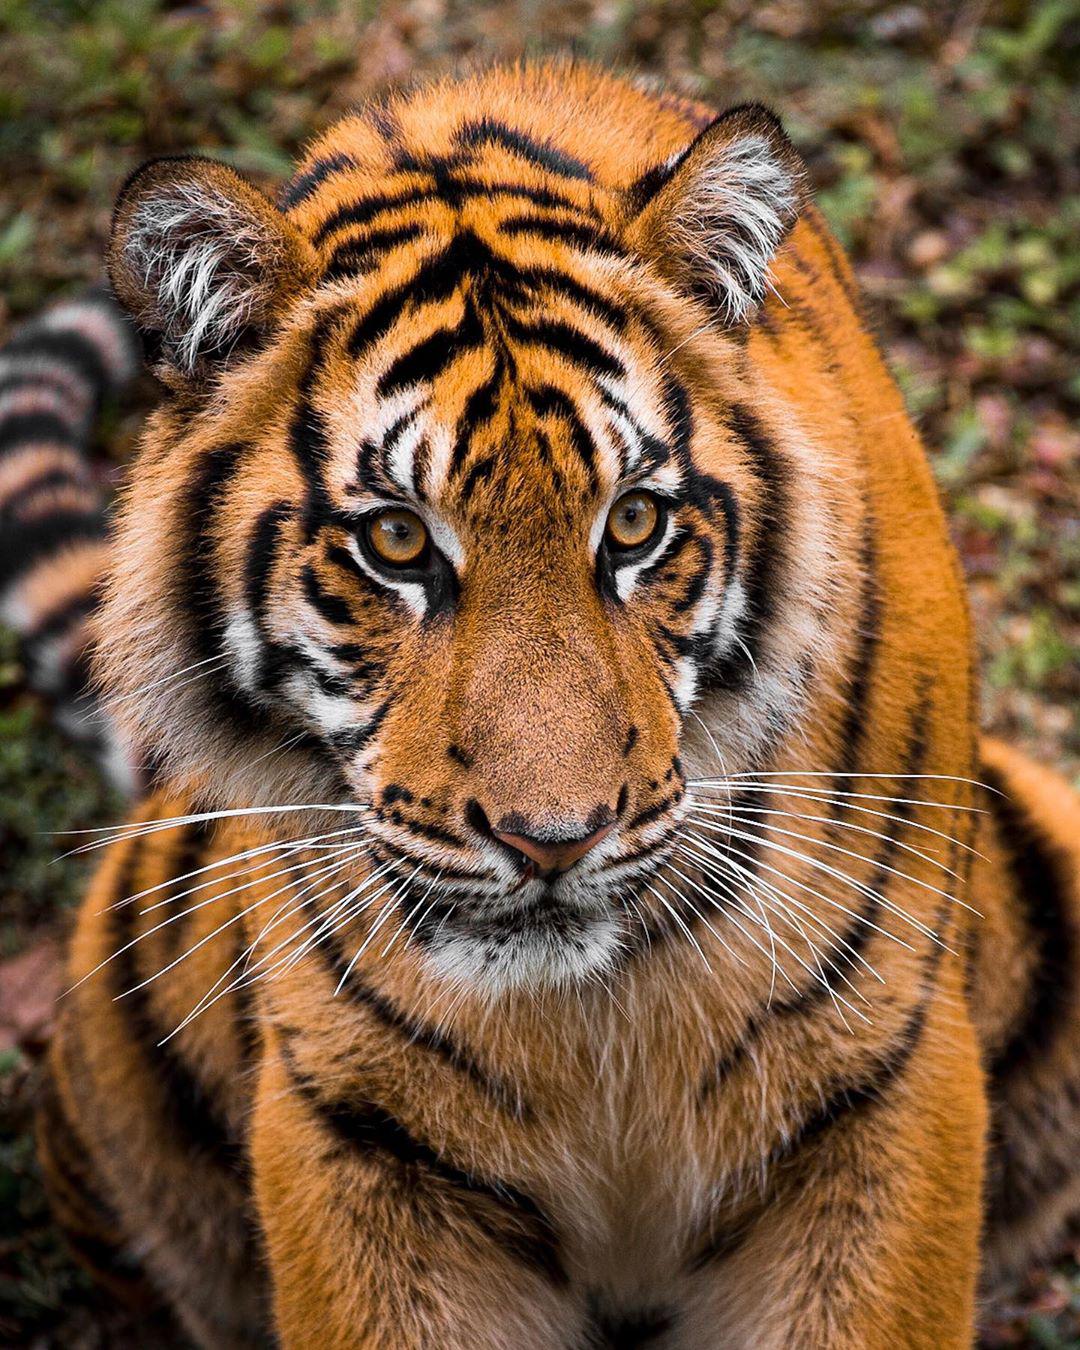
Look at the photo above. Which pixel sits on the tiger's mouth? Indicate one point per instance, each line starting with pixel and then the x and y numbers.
pixel 530 937
pixel 497 932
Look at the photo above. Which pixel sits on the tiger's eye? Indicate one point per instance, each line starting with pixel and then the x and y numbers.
pixel 632 521
pixel 397 537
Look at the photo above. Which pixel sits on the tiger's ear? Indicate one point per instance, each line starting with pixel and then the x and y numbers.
pixel 725 208
pixel 201 259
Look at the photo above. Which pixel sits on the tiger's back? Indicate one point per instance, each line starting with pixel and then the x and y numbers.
pixel 418 1161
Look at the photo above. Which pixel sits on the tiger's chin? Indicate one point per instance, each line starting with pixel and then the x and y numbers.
pixel 528 940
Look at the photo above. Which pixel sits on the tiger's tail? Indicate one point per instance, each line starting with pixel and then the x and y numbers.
pixel 55 372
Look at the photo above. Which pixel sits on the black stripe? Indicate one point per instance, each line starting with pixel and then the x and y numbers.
pixel 821 232
pixel 19 429
pixel 185 1107
pixel 506 1214
pixel 364 211
pixel 477 474
pixel 546 400
pixel 364 671
pixel 578 234
pixel 261 555
pixel 360 255
pixel 304 185
pixel 762 566
pixel 72 1164
pixel 67 348
pixel 435 279
pixel 554 230
pixel 60 619
pixel 853 1100
pixel 860 675
pixel 655 811
pixel 376 323
pixel 453 191
pixel 196 586
pixel 43 482
pixel 195 572
pixel 645 187
pixel 545 155
pixel 1040 876
pixel 188 853
pixel 569 341
pixel 598 305
pixel 694 584
pixel 307 432
pixel 354 739
pixel 819 329
pixel 332 607
pixel 420 828
pixel 465 256
pixel 275 660
pixel 25 544
pixel 463 188
pixel 428 359
pixel 498 1090
pixel 479 410
pixel 248 1034
pixel 847 1103
pixel 33 380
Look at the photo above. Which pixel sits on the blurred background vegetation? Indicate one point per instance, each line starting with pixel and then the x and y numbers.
pixel 943 140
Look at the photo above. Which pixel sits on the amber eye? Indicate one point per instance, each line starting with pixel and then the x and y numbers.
pixel 397 538
pixel 633 520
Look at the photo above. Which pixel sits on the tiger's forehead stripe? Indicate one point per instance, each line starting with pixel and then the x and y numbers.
pixel 446 290
pixel 477 203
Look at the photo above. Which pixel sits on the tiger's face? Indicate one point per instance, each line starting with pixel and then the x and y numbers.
pixel 460 526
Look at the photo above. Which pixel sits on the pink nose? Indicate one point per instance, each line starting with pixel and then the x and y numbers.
pixel 557 856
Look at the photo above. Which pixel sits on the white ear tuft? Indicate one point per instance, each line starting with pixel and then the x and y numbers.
pixel 201 258
pixel 725 208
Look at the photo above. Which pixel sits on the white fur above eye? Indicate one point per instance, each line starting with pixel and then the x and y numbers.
pixel 203 262
pixel 732 217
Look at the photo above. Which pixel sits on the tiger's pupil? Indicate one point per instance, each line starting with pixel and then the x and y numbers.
pixel 397 537
pixel 632 520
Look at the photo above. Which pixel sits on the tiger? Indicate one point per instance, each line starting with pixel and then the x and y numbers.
pixel 573 903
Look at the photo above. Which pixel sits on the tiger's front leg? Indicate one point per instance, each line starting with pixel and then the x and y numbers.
pixel 868 1239
pixel 375 1240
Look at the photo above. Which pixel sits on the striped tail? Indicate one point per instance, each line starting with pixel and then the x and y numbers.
pixel 55 372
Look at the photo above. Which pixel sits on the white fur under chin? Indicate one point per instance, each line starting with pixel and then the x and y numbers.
pixel 537 959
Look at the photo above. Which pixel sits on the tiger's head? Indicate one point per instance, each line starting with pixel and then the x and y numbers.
pixel 460 504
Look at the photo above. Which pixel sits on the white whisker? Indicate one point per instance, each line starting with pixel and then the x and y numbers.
pixel 749 877
pixel 246 977
pixel 844 877
pixel 823 798
pixel 388 909
pixel 208 937
pixel 758 812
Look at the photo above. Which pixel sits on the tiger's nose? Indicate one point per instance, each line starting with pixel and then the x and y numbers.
pixel 545 857
pixel 553 856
